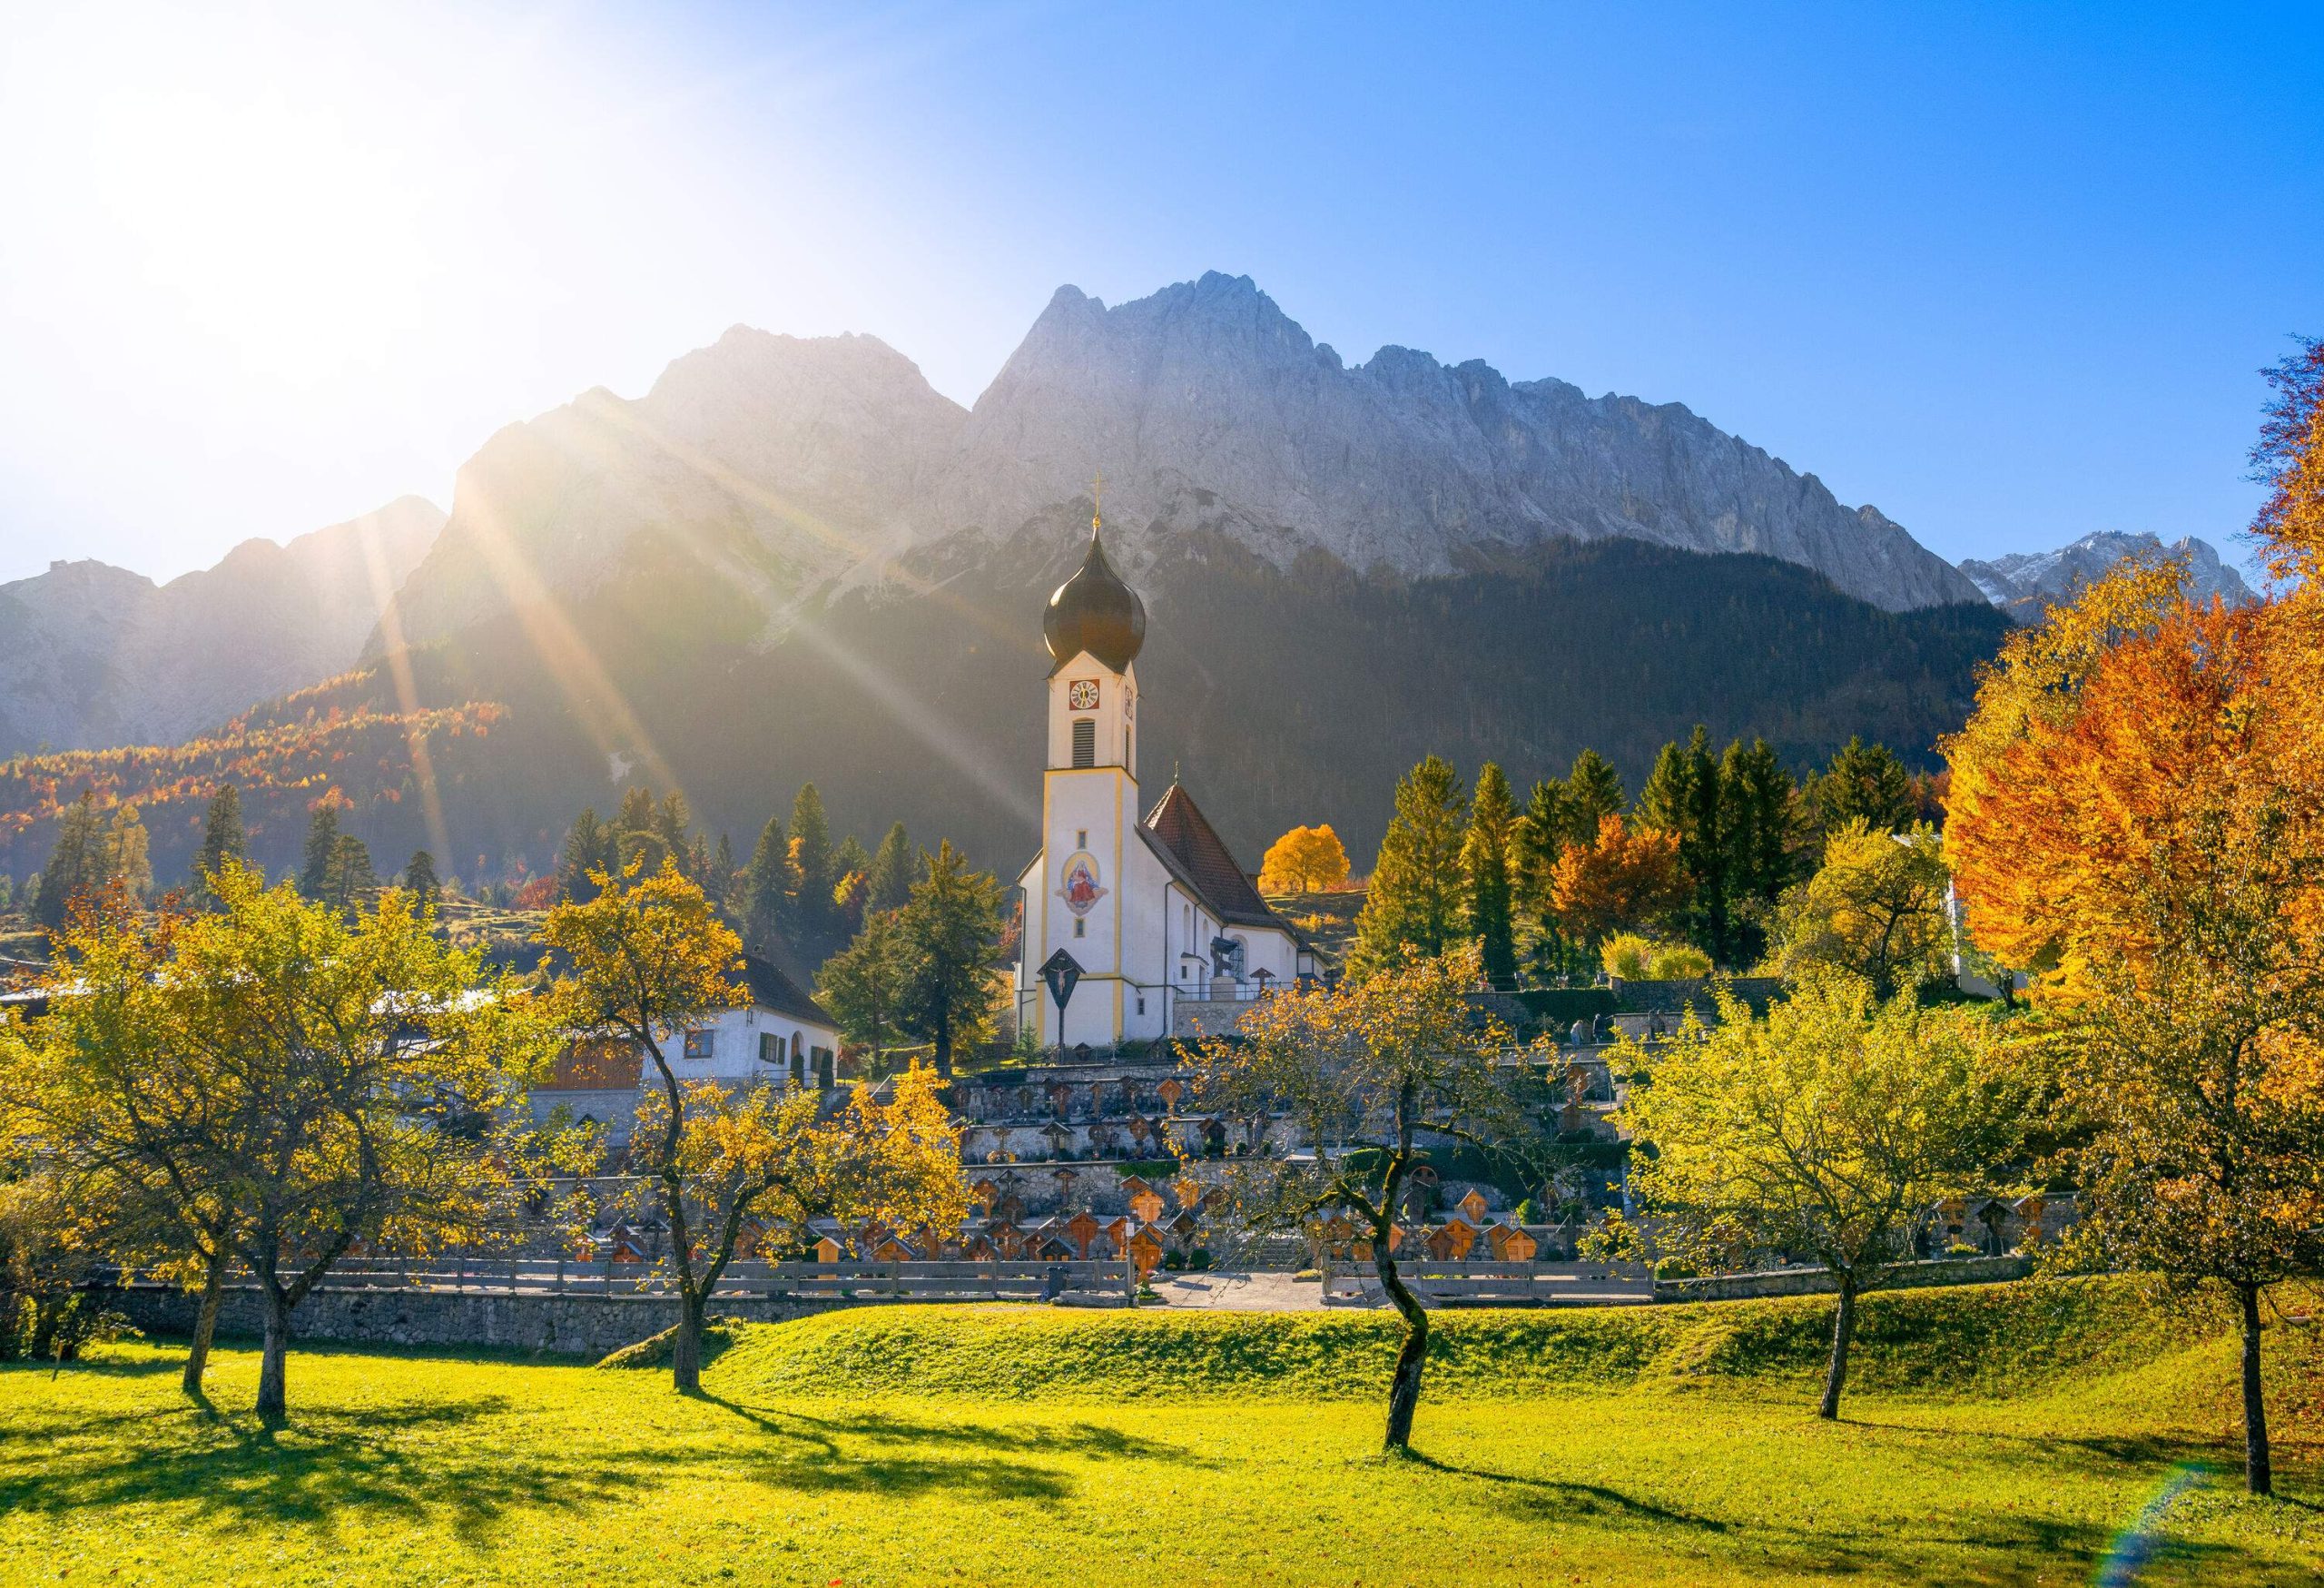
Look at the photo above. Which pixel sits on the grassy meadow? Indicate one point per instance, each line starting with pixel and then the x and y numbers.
pixel 2014 1435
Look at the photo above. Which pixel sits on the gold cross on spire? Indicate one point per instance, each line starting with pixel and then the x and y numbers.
pixel 1096 501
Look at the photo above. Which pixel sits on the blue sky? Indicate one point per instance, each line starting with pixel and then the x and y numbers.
pixel 2005 272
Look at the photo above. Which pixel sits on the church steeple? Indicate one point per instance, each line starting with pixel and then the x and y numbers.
pixel 1094 611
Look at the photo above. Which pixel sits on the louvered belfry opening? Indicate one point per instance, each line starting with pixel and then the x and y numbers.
pixel 1085 742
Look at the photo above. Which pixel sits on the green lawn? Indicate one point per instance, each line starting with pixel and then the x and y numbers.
pixel 2006 1436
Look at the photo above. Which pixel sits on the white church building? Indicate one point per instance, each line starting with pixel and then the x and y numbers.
pixel 1132 916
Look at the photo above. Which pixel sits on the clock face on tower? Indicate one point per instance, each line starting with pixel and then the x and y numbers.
pixel 1081 694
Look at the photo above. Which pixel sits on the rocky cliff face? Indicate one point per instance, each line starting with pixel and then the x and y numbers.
pixel 95 655
pixel 778 463
pixel 1210 410
pixel 2025 584
pixel 793 468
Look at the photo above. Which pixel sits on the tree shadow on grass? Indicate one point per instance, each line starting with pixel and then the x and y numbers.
pixel 325 1465
pixel 1557 1499
pixel 825 1454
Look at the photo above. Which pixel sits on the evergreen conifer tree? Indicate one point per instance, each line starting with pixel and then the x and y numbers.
pixel 1485 868
pixel 322 846
pixel 895 867
pixel 348 875
pixel 766 888
pixel 589 847
pixel 73 864
pixel 1757 799
pixel 1593 792
pixel 1414 901
pixel 222 838
pixel 419 876
pixel 811 863
pixel 1681 797
pixel 720 883
pixel 953 929
pixel 1865 783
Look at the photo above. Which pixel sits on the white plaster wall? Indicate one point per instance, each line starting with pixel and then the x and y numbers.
pixel 734 1047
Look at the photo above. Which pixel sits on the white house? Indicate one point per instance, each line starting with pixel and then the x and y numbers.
pixel 1146 910
pixel 780 1036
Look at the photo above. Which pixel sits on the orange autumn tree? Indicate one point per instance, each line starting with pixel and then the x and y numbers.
pixel 1306 860
pixel 1624 879
pixel 2137 816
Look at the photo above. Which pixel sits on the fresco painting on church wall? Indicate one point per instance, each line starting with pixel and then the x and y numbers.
pixel 1080 891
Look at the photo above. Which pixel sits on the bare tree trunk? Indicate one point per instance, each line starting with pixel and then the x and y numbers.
pixel 205 1324
pixel 685 1347
pixel 1403 1388
pixel 1843 1331
pixel 271 1405
pixel 2259 1475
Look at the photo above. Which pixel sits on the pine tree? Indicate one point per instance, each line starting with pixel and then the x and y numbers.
pixel 865 984
pixel 348 875
pixel 895 867
pixel 589 847
pixel 72 868
pixel 766 890
pixel 1681 797
pixel 1415 897
pixel 811 863
pixel 672 824
pixel 720 883
pixel 1536 838
pixel 1593 792
pixel 322 844
pixel 1485 867
pixel 952 927
pixel 222 838
pixel 1757 816
pixel 419 876
pixel 1865 783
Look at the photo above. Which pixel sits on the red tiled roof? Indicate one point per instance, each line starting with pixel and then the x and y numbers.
pixel 1182 830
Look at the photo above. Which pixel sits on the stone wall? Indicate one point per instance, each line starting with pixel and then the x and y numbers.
pixel 1815 1282
pixel 578 1326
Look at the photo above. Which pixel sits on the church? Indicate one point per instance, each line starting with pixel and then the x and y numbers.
pixel 1130 920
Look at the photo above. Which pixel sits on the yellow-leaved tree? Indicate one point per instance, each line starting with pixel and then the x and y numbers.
pixel 1373 1072
pixel 2137 818
pixel 1821 1134
pixel 1306 860
pixel 278 1083
pixel 648 958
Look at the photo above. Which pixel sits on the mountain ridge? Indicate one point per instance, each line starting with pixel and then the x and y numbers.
pixel 92 656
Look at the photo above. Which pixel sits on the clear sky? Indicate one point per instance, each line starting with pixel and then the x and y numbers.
pixel 2005 272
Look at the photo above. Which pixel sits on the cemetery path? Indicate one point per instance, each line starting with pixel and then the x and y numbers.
pixel 1234 1292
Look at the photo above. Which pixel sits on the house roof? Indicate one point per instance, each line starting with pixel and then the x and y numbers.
pixel 770 986
pixel 1192 849
pixel 772 990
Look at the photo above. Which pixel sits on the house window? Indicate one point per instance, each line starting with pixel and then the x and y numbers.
pixel 769 1047
pixel 1182 973
pixel 1085 742
pixel 1077 924
pixel 699 1043
pixel 1141 1003
pixel 1081 838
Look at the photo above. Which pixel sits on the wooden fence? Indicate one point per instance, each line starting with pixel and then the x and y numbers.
pixel 1485 1283
pixel 848 1281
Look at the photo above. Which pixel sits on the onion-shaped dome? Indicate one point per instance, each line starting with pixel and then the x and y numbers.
pixel 1094 611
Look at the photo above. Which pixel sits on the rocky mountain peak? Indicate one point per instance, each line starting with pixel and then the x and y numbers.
pixel 2025 585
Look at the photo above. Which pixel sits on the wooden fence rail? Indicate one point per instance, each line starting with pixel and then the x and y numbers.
pixel 923 1281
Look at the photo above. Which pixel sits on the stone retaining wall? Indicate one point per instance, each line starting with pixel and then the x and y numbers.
pixel 579 1326
pixel 1815 1282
